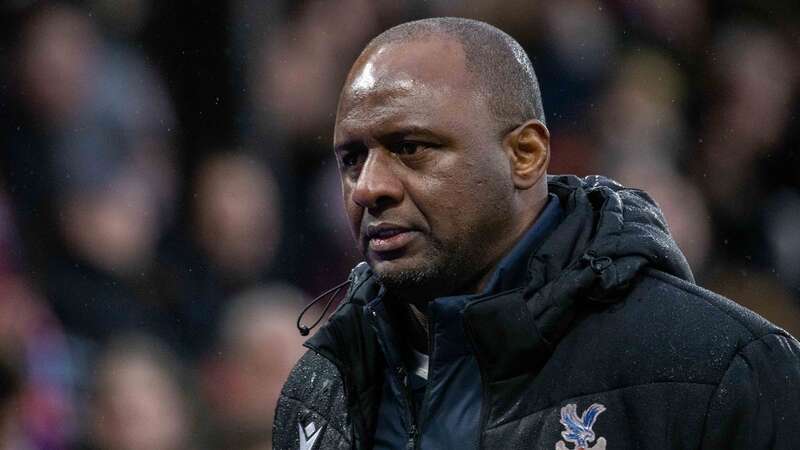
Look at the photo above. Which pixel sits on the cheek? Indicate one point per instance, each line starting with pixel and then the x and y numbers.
pixel 353 211
pixel 476 198
pixel 476 177
pixel 444 197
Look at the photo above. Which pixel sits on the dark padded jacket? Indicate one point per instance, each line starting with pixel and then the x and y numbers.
pixel 607 345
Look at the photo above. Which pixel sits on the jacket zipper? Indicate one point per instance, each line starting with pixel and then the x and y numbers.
pixel 414 434
pixel 413 442
pixel 400 376
pixel 484 388
pixel 411 411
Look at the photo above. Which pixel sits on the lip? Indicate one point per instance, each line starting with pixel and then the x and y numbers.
pixel 387 237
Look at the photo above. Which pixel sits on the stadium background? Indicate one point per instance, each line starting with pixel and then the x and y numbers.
pixel 168 197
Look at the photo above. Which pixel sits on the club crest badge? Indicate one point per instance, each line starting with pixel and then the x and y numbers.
pixel 578 430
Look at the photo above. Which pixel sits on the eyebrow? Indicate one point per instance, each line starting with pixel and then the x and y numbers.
pixel 411 129
pixel 349 146
pixel 395 134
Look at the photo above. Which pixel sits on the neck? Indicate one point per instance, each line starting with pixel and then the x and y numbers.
pixel 515 234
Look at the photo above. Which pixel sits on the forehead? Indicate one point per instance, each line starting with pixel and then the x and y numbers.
pixel 406 81
pixel 427 58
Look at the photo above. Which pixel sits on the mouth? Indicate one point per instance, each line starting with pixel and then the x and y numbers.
pixel 385 237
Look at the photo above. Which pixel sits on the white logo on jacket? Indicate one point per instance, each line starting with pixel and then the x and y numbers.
pixel 308 435
pixel 578 430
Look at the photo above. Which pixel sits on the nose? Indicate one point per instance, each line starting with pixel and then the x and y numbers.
pixel 378 185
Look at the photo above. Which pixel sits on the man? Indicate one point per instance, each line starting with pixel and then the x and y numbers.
pixel 500 308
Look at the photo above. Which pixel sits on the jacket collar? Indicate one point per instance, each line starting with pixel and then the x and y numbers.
pixel 609 234
pixel 511 271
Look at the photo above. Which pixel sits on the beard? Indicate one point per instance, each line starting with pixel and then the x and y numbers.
pixel 445 270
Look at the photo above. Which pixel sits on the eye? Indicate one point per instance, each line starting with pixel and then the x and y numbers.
pixel 350 159
pixel 409 147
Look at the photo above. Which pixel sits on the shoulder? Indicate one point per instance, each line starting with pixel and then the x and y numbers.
pixel 312 400
pixel 667 330
pixel 695 299
pixel 716 323
pixel 311 375
pixel 704 319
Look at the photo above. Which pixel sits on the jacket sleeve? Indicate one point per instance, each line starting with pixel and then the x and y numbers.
pixel 757 403
pixel 310 414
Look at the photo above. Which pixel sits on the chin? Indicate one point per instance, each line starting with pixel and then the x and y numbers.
pixel 394 272
pixel 412 280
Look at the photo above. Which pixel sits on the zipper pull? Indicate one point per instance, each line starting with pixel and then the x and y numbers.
pixel 412 437
pixel 401 372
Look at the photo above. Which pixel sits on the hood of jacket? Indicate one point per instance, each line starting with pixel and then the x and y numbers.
pixel 609 236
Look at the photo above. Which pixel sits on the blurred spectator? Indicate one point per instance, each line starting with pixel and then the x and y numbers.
pixel 640 112
pixel 32 342
pixel 92 171
pixel 57 39
pixel 10 387
pixel 236 216
pixel 112 221
pixel 258 346
pixel 104 106
pixel 137 402
pixel 754 77
pixel 52 38
pixel 752 91
pixel 235 232
pixel 107 280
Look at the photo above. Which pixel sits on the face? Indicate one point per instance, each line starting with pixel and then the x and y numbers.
pixel 426 182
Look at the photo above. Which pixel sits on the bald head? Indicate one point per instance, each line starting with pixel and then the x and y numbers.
pixel 499 68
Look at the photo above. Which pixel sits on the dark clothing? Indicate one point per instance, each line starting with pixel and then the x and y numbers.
pixel 449 415
pixel 607 341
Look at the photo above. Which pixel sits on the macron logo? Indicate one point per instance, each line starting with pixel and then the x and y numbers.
pixel 308 435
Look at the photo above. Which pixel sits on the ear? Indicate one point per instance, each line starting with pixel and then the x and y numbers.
pixel 528 148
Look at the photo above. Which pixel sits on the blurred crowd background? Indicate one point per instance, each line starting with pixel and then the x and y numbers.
pixel 169 199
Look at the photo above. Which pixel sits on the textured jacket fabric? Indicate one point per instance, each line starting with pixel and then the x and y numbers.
pixel 608 344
